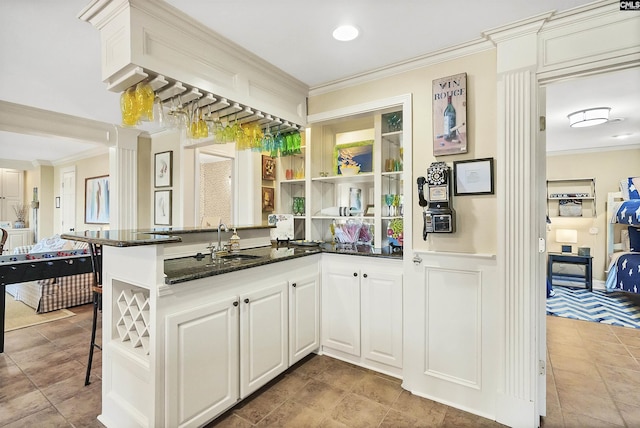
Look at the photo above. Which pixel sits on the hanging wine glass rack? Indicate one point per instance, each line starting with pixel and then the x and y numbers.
pixel 176 94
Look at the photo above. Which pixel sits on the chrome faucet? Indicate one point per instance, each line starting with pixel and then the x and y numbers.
pixel 219 247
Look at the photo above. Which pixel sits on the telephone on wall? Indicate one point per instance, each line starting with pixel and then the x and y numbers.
pixel 438 215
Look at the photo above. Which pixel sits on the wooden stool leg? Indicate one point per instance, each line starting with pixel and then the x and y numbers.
pixel 97 304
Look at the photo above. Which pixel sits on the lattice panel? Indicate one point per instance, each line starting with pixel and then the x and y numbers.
pixel 133 324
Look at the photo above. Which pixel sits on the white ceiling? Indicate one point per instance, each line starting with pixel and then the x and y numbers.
pixel 51 60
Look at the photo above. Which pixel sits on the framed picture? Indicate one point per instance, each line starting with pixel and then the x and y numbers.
pixel 163 169
pixel 268 168
pixel 162 208
pixel 473 177
pixel 355 199
pixel 358 156
pixel 268 199
pixel 369 211
pixel 450 115
pixel 96 197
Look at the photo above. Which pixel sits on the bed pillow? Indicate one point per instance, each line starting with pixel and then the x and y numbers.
pixel 630 188
pixel 54 243
pixel 634 239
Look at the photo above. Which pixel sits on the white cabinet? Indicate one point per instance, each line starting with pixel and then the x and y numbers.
pixel 17 238
pixel 341 307
pixel 362 310
pixel 381 320
pixel 263 336
pixel 236 339
pixel 202 362
pixel 304 316
pixel 11 192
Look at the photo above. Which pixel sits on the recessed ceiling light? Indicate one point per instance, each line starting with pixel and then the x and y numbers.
pixel 345 33
pixel 622 136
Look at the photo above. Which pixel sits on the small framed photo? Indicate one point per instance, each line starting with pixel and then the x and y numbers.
pixel 473 177
pixel 162 208
pixel 163 169
pixel 370 211
pixel 96 197
pixel 268 199
pixel 268 168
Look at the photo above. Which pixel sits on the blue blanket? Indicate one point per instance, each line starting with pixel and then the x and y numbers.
pixel 624 275
pixel 629 212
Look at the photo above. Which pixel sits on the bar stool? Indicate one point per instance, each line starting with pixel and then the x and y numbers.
pixel 96 261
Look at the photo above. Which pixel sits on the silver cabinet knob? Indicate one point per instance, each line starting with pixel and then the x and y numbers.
pixel 417 259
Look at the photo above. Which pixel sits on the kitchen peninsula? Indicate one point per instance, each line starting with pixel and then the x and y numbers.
pixel 185 336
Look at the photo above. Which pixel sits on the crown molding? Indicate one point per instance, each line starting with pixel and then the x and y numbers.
pixel 440 56
pixel 23 119
pixel 632 146
pixel 91 153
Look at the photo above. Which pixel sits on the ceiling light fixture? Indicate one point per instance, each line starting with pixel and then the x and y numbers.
pixel 345 33
pixel 589 117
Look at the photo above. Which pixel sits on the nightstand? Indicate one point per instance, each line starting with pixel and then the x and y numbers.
pixel 573 259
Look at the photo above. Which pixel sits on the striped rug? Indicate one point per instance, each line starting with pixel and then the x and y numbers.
pixel 614 308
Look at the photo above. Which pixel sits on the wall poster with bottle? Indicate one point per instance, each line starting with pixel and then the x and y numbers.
pixel 450 115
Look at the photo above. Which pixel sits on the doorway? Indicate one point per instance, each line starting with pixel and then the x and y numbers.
pixel 67 200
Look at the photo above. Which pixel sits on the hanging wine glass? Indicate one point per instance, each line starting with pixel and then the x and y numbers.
pixel 129 107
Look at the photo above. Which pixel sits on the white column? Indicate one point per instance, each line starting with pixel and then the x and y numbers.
pixel 519 263
pixel 123 180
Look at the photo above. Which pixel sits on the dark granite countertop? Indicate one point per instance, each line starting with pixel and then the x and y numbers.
pixel 120 238
pixel 185 269
pixel 131 238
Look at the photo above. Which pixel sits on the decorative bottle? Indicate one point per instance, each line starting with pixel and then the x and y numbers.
pixel 449 120
pixel 234 241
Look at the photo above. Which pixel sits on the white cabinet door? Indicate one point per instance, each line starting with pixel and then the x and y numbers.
pixel 341 308
pixel 11 192
pixel 201 362
pixel 304 317
pixel 382 315
pixel 263 336
pixel 17 238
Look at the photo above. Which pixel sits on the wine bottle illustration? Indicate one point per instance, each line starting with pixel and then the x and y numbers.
pixel 449 120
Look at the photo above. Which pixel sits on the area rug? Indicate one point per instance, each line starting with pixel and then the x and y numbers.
pixel 614 308
pixel 18 315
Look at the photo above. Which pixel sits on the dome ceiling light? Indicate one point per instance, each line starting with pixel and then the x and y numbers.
pixel 589 117
pixel 345 33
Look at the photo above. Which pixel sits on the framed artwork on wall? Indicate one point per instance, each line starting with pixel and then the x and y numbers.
pixel 162 208
pixel 450 115
pixel 353 158
pixel 473 177
pixel 96 196
pixel 268 199
pixel 163 169
pixel 268 168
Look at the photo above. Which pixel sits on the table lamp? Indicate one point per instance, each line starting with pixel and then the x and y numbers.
pixel 566 236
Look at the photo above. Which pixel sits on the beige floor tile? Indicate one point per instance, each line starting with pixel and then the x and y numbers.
pixel 553 419
pixel 319 396
pixel 330 423
pixel 624 392
pixel 578 420
pixel 459 419
pixel 582 366
pixel 294 415
pixel 623 361
pixel 618 374
pixel 255 408
pixel 610 347
pixel 230 420
pixel 576 382
pixel 634 351
pixel 630 340
pixel 313 366
pixel 83 409
pixel 630 413
pixel 359 412
pixel 49 418
pixel 420 408
pixel 378 389
pixel 395 419
pixel 341 376
pixel 22 406
pixel 579 403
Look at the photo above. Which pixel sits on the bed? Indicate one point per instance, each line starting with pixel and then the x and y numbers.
pixel 623 237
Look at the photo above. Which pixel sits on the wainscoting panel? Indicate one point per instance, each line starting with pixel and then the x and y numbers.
pixel 453 325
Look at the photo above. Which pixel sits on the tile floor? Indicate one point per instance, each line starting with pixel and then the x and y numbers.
pixel 593 380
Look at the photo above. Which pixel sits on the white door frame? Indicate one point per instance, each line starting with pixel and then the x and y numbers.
pixel 64 209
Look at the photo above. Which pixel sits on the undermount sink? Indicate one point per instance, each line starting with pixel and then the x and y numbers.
pixel 239 257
